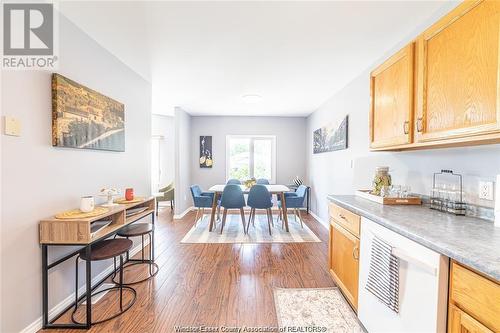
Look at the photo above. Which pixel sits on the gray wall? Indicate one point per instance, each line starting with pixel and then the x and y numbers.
pixel 40 180
pixel 342 172
pixel 290 145
pixel 183 155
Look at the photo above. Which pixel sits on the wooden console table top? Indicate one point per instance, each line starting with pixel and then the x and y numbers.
pixel 77 231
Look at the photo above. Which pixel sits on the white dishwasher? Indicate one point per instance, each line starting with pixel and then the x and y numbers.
pixel 423 285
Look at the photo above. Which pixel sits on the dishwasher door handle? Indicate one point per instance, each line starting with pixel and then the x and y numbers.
pixel 402 255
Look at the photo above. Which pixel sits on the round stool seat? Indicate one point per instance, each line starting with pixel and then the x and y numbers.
pixel 107 249
pixel 136 229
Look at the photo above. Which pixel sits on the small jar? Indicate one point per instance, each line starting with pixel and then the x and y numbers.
pixel 382 178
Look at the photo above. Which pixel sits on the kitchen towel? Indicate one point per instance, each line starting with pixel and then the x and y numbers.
pixel 383 274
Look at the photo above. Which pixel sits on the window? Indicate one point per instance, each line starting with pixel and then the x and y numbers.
pixel 251 156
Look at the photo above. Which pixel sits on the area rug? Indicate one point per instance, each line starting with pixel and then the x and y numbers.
pixel 306 309
pixel 233 232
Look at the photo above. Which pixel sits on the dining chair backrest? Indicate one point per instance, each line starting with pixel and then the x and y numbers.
pixel 259 197
pixel 195 191
pixel 301 191
pixel 232 197
pixel 233 181
pixel 262 181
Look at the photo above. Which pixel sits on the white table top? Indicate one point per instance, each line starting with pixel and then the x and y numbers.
pixel 271 188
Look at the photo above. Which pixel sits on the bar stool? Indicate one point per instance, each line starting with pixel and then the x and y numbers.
pixel 106 249
pixel 134 230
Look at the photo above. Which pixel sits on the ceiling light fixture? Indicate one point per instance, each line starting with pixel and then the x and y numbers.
pixel 252 99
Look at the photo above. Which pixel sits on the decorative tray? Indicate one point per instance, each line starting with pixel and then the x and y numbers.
pixel 388 201
pixel 78 214
pixel 124 201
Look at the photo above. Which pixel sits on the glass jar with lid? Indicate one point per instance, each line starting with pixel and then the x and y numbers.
pixel 381 178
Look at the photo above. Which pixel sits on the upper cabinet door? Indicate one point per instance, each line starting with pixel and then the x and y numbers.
pixel 458 89
pixel 391 111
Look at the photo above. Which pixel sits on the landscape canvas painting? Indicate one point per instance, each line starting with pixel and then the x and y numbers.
pixel 84 118
pixel 330 138
pixel 206 159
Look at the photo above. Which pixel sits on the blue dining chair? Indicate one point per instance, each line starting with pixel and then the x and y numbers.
pixel 201 201
pixel 259 198
pixel 233 181
pixel 232 198
pixel 294 200
pixel 263 181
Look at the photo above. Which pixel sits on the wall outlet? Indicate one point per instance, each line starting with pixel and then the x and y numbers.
pixel 12 126
pixel 486 190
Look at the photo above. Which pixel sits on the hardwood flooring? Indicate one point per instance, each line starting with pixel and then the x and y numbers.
pixel 213 284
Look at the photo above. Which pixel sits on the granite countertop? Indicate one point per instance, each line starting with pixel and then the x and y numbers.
pixel 471 241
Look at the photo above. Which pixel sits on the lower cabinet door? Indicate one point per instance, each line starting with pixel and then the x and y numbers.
pixel 344 261
pixel 461 322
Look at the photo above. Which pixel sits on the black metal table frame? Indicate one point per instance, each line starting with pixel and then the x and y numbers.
pixel 48 324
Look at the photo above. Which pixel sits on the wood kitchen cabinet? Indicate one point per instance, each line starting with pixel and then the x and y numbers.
pixel 474 304
pixel 458 89
pixel 460 321
pixel 450 93
pixel 391 90
pixel 344 253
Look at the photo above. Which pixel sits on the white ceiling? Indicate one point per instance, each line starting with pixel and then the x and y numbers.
pixel 204 56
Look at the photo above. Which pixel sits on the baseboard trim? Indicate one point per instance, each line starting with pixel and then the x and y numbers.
pixel 181 215
pixel 37 324
pixel 320 220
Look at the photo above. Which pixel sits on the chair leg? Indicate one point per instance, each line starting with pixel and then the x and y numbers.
pixel 252 212
pixel 242 213
pixel 157 208
pixel 196 217
pixel 224 215
pixel 121 282
pixel 218 213
pixel 295 214
pixel 171 204
pixel 269 219
pixel 299 214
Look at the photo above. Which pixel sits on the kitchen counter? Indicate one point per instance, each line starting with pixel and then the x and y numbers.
pixel 471 241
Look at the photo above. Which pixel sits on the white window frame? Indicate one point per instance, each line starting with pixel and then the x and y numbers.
pixel 251 157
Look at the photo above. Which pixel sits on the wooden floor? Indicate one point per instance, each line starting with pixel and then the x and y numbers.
pixel 213 284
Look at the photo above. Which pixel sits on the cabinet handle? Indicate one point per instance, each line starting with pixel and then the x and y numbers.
pixel 406 127
pixel 420 123
pixel 355 253
pixel 342 217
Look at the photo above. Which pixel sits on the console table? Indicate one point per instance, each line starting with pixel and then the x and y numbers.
pixel 74 232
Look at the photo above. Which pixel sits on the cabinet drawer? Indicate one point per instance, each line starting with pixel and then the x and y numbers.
pixel 476 295
pixel 345 218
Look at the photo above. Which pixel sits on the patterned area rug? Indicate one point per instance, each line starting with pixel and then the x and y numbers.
pixel 325 309
pixel 233 232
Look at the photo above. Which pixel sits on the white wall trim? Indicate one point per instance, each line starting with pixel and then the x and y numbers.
pixel 37 324
pixel 181 215
pixel 320 220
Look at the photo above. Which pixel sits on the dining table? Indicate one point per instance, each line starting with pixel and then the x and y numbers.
pixel 273 189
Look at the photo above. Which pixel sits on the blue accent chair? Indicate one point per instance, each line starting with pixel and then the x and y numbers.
pixel 294 200
pixel 233 181
pixel 201 201
pixel 263 181
pixel 232 198
pixel 260 198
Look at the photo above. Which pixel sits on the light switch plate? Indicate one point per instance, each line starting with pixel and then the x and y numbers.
pixel 12 126
pixel 485 190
